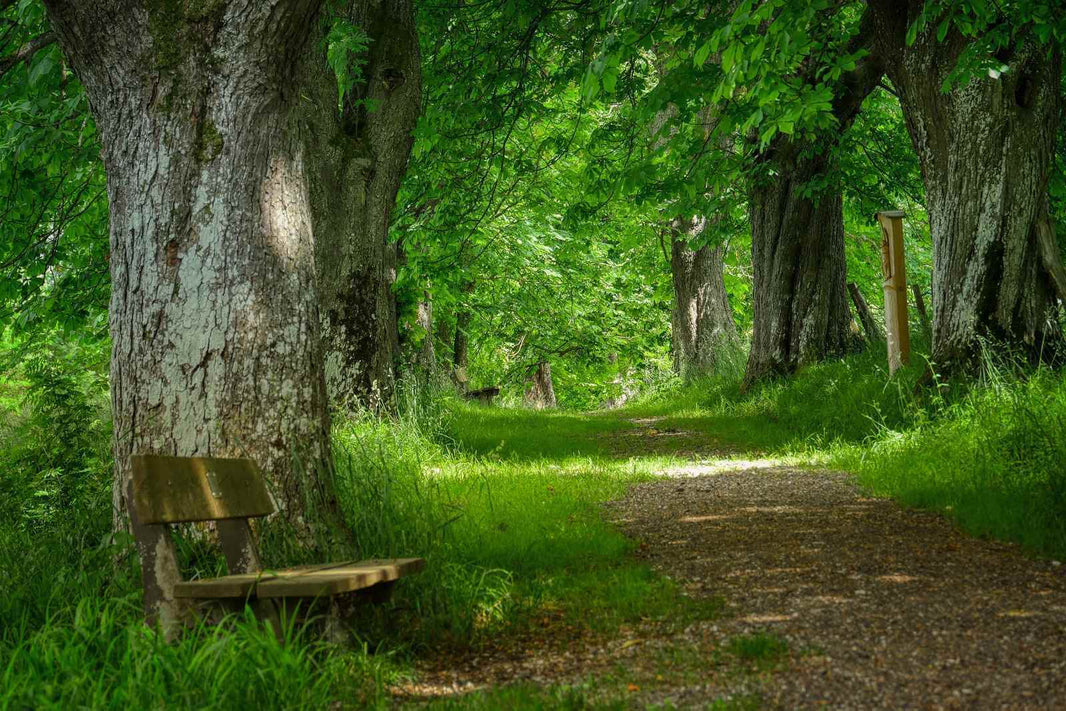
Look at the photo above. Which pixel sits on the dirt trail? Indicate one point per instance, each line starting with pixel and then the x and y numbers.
pixel 882 607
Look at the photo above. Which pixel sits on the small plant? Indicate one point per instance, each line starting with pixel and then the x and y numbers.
pixel 761 649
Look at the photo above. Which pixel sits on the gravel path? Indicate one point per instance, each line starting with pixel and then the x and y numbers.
pixel 882 607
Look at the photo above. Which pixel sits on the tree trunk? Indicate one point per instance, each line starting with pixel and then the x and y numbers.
pixel 461 349
pixel 874 332
pixel 704 334
pixel 923 314
pixel 541 392
pixel 801 311
pixel 214 318
pixel 360 156
pixel 427 354
pixel 797 246
pixel 986 148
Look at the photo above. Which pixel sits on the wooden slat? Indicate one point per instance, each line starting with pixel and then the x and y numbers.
pixel 304 581
pixel 180 489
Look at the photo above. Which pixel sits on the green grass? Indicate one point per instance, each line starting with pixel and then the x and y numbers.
pixel 505 507
pixel 514 434
pixel 759 649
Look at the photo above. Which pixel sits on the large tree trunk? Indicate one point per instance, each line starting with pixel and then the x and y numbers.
pixel 360 155
pixel 541 391
pixel 704 334
pixel 214 316
pixel 801 307
pixel 986 148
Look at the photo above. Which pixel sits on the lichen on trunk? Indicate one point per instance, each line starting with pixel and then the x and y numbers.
pixel 986 148
pixel 214 316
pixel 703 332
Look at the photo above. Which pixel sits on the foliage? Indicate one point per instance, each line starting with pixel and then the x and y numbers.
pixel 507 542
pixel 346 45
pixel 53 227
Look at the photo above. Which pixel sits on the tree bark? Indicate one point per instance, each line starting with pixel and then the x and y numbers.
pixel 704 333
pixel 801 313
pixel 461 348
pixel 427 354
pixel 541 392
pixel 923 314
pixel 874 333
pixel 360 154
pixel 985 147
pixel 214 317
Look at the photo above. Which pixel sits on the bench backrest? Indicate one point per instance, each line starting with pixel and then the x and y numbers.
pixel 182 489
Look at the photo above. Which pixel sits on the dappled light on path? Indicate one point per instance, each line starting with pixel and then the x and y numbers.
pixel 883 607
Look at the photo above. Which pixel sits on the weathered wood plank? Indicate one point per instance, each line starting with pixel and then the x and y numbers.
pixel 181 489
pixel 303 581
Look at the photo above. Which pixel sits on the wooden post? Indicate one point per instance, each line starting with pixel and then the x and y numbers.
pixel 894 272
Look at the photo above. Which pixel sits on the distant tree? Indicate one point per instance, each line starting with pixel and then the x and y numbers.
pixel 703 332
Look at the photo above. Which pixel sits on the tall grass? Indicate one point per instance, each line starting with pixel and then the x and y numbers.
pixel 504 507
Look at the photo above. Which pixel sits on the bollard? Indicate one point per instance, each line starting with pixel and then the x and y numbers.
pixel 894 271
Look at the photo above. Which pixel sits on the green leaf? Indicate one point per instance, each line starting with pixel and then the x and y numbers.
pixel 942 29
pixel 702 53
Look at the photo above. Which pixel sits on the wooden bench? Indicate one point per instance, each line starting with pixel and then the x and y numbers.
pixel 171 490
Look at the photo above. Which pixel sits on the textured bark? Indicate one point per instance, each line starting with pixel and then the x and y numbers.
pixel 702 326
pixel 801 313
pixel 214 318
pixel 427 354
pixel 360 157
pixel 461 349
pixel 985 148
pixel 461 346
pixel 874 332
pixel 541 391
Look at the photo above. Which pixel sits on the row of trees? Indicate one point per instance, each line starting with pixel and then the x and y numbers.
pixel 286 179
pixel 979 86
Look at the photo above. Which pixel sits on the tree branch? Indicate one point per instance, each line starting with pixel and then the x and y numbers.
pixel 26 52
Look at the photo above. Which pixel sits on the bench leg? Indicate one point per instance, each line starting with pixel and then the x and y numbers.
pixel 159 573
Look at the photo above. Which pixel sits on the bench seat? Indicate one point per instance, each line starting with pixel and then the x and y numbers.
pixel 303 581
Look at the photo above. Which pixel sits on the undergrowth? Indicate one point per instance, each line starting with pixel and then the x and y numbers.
pixel 503 504
pixel 504 507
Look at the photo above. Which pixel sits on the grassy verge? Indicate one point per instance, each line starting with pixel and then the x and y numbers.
pixel 505 507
